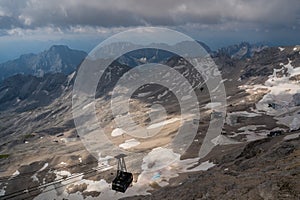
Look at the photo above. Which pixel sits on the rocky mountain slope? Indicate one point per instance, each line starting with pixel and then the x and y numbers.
pixel 262 169
pixel 40 146
pixel 58 59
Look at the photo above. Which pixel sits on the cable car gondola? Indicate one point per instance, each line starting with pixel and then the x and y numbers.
pixel 123 178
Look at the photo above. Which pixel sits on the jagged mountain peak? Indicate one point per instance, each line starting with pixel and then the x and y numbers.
pixel 59 47
pixel 58 58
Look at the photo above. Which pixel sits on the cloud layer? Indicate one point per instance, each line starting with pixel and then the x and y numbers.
pixel 67 14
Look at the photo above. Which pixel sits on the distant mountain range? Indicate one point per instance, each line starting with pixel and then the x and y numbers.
pixel 241 51
pixel 58 59
pixel 62 59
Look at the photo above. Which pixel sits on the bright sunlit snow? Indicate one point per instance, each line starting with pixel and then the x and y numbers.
pixel 129 144
pixel 117 132
pixel 159 124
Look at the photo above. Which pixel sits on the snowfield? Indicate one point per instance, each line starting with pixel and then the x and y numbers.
pixel 281 101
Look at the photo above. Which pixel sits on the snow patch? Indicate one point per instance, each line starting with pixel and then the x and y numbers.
pixel 159 124
pixel 103 161
pixel 62 174
pixel 162 158
pixel 66 140
pixel 71 76
pixel 295 124
pixel 129 144
pixel 202 167
pixel 44 167
pixel 280 100
pixel 144 59
pixel 34 176
pixel 97 186
pixel 144 94
pixel 117 132
pixel 87 105
pixel 162 164
pixel 212 105
pixel 63 163
pixel 158 157
pixel 162 95
pixel 291 121
pixel 16 173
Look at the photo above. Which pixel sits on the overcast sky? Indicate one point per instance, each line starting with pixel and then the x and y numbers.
pixel 31 25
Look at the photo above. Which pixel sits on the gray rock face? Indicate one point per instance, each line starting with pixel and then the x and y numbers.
pixel 27 92
pixel 296 99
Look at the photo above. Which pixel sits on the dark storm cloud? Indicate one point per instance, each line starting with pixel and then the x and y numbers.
pixel 116 13
pixel 7 22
